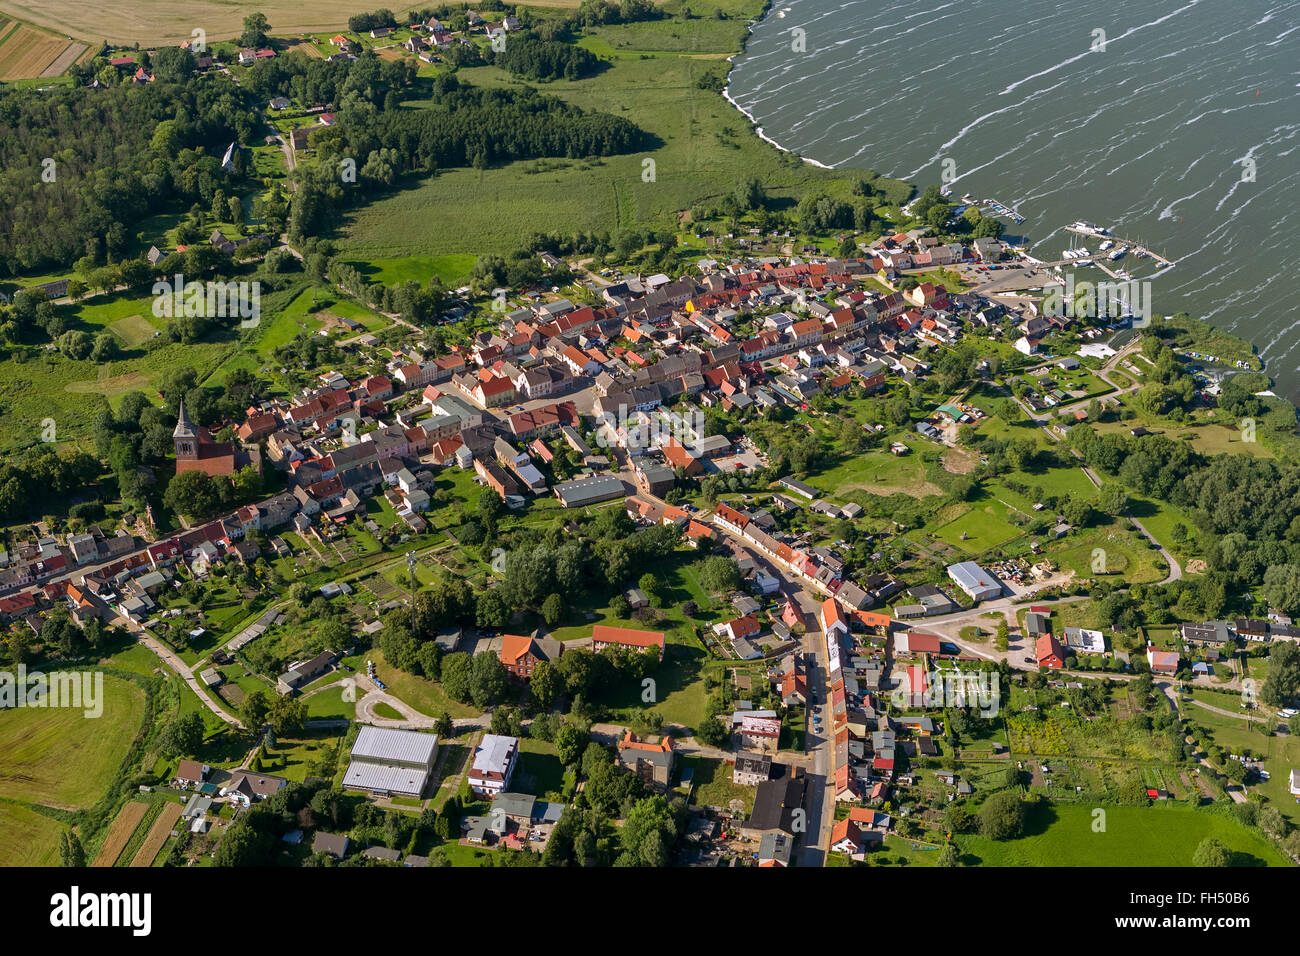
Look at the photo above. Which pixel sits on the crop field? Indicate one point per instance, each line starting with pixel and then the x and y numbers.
pixel 158 834
pixel 148 21
pixel 1063 835
pixel 119 833
pixel 29 52
pixel 30 838
pixel 59 757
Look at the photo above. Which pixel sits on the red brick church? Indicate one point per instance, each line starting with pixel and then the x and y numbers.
pixel 196 451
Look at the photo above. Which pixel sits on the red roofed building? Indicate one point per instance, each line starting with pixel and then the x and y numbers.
pixel 832 619
pixel 196 451
pixel 1049 653
pixel 603 636
pixel 520 654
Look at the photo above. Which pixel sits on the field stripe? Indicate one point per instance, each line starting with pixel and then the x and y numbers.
pixel 158 834
pixel 119 832
pixel 69 56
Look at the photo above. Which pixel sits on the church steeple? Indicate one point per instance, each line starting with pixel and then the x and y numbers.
pixel 185 435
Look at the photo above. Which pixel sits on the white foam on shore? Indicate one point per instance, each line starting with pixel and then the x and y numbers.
pixel 726 95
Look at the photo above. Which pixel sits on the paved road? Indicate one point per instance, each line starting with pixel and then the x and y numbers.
pixel 187 675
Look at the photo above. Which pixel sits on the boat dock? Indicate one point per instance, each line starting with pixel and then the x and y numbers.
pixel 1135 248
pixel 1001 209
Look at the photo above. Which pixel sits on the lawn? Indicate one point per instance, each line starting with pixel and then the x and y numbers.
pixel 424 695
pixel 1063 835
pixel 981 527
pixel 713 786
pixel 30 838
pixel 540 771
pixel 59 757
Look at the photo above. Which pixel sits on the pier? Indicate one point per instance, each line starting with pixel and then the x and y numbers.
pixel 1135 248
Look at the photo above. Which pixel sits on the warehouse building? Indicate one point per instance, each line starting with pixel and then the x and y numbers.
pixel 975 581
pixel 588 491
pixel 392 762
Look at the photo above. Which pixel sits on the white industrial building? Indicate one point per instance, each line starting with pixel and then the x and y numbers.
pixel 395 762
pixel 975 581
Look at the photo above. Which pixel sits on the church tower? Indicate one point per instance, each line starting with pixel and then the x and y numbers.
pixel 185 436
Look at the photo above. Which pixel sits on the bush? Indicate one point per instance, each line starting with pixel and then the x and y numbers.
pixel 1002 817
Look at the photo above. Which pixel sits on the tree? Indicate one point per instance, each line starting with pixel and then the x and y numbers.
pixel 183 735
pixel 455 675
pixel 487 679
pixel 553 609
pixel 1002 817
pixel 546 684
pixel 71 852
pixel 570 743
pixel 948 856
pixel 255 29
pixel 1283 680
pixel 1211 853
pixel 712 732
pixel 1281 582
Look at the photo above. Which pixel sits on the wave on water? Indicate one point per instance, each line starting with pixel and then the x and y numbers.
pixel 726 95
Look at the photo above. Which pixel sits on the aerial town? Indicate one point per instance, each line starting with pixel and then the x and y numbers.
pixel 761 541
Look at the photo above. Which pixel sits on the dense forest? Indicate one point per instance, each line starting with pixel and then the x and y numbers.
pixel 80 167
pixel 546 59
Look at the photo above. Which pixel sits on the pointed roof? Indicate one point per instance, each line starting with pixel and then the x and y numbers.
pixel 184 427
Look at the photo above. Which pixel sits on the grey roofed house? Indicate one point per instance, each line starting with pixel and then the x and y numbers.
pixel 305 672
pixel 258 785
pixel 1037 623
pixel 197 807
pixel 391 761
pixel 754 763
pixel 382 853
pixel 776 846
pixel 975 581
pixel 775 804
pixel 798 487
pixel 413 860
pixel 586 491
pixel 508 805
pixel 335 844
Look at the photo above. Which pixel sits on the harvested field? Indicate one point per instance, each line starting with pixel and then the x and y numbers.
pixel 158 834
pixel 150 22
pixel 119 833
pixel 65 59
pixel 27 52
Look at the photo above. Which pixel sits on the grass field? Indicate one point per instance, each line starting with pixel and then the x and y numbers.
pixel 706 148
pixel 58 757
pixel 30 838
pixel 1063 835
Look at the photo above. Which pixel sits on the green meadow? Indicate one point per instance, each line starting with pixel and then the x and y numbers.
pixel 1064 835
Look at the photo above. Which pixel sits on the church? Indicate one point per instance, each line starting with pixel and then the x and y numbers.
pixel 196 451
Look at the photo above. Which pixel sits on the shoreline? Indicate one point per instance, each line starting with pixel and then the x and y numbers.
pixel 753 123
pixel 762 134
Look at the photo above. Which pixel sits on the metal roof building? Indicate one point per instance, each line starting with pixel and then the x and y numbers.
pixel 975 581
pixel 391 761
pixel 587 491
